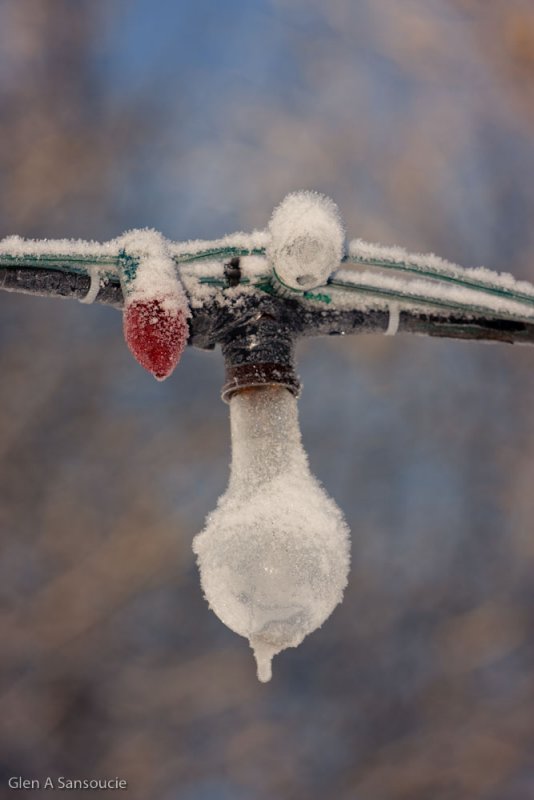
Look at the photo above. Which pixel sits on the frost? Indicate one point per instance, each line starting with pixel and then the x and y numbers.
pixel 156 307
pixel 367 289
pixel 253 268
pixel 155 274
pixel 274 555
pixel 430 265
pixel 155 335
pixel 18 247
pixel 307 239
pixel 303 245
pixel 257 240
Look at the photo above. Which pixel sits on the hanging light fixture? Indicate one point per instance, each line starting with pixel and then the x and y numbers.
pixel 274 555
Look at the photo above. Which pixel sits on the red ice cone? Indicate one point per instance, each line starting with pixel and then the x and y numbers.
pixel 156 336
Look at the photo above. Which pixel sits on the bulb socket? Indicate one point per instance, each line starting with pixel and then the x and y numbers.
pixel 252 376
pixel 260 352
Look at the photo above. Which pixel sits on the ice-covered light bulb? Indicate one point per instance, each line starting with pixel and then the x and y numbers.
pixel 307 240
pixel 156 307
pixel 274 555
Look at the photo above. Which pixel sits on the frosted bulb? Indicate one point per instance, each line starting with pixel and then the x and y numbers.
pixel 274 555
pixel 156 335
pixel 156 307
pixel 307 240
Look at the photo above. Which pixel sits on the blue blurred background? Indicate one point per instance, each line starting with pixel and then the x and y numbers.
pixel 196 118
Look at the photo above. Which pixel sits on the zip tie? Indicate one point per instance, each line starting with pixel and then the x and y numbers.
pixel 393 322
pixel 94 286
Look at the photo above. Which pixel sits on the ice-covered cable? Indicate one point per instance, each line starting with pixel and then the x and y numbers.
pixel 431 266
pixel 302 246
pixel 368 289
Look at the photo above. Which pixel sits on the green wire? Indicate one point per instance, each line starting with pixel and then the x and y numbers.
pixel 428 272
pixel 433 272
pixel 218 252
pixel 428 301
pixel 36 261
pixel 52 261
pixel 77 264
pixel 80 265
pixel 399 296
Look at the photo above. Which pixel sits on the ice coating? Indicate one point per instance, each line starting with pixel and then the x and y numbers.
pixel 149 270
pixel 274 555
pixel 430 265
pixel 264 654
pixel 307 239
pixel 304 231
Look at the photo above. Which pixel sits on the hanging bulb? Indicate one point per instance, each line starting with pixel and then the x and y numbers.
pixel 156 308
pixel 156 333
pixel 274 555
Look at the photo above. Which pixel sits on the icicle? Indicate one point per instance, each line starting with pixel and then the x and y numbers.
pixel 264 654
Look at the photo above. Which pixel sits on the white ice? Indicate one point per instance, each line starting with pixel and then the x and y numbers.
pixel 304 242
pixel 156 276
pixel 416 291
pixel 274 555
pixel 360 250
pixel 307 239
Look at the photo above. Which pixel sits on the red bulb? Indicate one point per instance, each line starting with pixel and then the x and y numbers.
pixel 156 336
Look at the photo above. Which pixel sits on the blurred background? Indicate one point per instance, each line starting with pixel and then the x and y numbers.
pixel 196 118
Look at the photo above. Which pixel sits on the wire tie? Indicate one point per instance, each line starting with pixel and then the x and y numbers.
pixel 393 322
pixel 94 286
